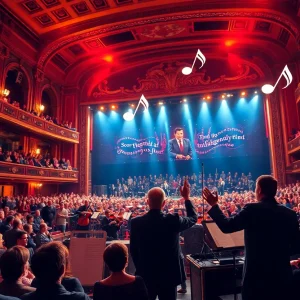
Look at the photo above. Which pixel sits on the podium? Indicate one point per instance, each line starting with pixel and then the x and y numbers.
pixel 209 280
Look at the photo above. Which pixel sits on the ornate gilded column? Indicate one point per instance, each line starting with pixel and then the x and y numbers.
pixel 277 138
pixel 84 149
pixel 37 95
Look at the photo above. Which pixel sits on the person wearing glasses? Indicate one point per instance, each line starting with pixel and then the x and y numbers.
pixel 22 240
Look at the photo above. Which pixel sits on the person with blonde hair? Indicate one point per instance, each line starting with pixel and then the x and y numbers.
pixel 119 285
pixel 14 264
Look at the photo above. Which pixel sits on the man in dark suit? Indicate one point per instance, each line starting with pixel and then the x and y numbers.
pixel 271 236
pixel 154 244
pixel 179 147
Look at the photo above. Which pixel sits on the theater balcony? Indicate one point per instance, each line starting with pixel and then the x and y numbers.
pixel 25 173
pixel 20 118
pixel 294 146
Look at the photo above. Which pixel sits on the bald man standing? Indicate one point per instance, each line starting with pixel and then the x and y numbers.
pixel 154 244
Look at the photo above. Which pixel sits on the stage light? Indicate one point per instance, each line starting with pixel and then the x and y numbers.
pixel 204 98
pixel 243 93
pixel 160 103
pixel 89 107
pixel 184 100
pixel 223 101
pixel 228 95
pixel 223 96
pixel 101 107
pixel 132 105
pixel 229 43
pixel 208 97
pixel 113 107
pixel 108 58
pixel 42 107
pixel 255 92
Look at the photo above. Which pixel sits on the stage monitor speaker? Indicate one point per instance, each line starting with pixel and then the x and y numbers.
pixel 100 190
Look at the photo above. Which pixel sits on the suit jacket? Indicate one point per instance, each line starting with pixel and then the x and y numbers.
pixel 271 236
pixel 54 292
pixel 154 245
pixel 174 148
pixel 8 298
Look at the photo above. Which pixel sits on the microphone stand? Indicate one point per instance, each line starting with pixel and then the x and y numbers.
pixel 202 175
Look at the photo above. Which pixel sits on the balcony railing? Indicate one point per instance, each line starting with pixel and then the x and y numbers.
pixel 21 172
pixel 294 167
pixel 22 118
pixel 294 145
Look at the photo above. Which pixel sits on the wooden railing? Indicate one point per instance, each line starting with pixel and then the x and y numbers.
pixel 294 145
pixel 10 113
pixel 294 167
pixel 22 172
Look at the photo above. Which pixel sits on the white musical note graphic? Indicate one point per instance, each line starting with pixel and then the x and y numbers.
pixel 201 57
pixel 129 116
pixel 269 89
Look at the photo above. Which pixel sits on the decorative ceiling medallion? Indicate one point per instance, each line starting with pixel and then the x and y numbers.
pixel 50 3
pixel 61 14
pixel 162 31
pixel 94 43
pixel 45 20
pixel 99 4
pixel 81 8
pixel 31 6
pixel 262 26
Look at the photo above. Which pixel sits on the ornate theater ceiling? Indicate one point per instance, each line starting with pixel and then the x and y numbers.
pixel 94 43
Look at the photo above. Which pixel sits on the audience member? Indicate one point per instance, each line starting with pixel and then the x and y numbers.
pixel 70 283
pixel 28 229
pixel 48 213
pixel 7 224
pixel 271 236
pixel 43 236
pixel 154 244
pixel 14 265
pixel 49 265
pixel 61 218
pixel 119 285
pixel 22 240
pixel 10 236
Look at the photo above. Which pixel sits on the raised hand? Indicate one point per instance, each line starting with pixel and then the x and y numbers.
pixel 211 199
pixel 185 190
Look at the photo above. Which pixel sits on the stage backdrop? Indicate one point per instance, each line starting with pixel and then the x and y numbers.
pixel 227 135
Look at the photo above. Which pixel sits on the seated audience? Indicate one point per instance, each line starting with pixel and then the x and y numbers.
pixel 119 285
pixel 10 236
pixel 71 284
pixel 49 265
pixel 28 229
pixel 7 224
pixel 22 240
pixel 43 236
pixel 2 297
pixel 14 265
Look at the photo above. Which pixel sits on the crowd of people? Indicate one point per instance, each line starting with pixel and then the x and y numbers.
pixel 37 160
pixel 33 266
pixel 138 185
pixel 41 115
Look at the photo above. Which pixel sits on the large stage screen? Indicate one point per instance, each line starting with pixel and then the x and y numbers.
pixel 179 131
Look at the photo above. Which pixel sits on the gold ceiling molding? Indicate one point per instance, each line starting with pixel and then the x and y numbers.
pixel 167 78
pixel 55 46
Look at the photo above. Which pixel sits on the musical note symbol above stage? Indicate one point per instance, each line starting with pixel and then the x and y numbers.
pixel 201 57
pixel 269 89
pixel 129 116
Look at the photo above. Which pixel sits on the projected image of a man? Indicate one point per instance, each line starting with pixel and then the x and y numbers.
pixel 179 147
